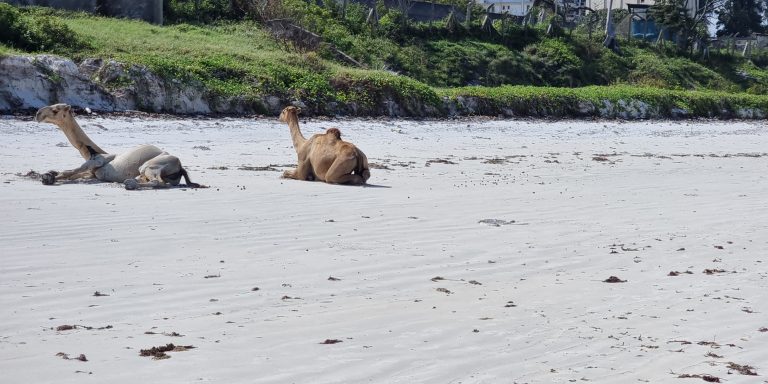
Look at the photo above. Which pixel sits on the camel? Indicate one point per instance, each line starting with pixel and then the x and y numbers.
pixel 143 166
pixel 325 156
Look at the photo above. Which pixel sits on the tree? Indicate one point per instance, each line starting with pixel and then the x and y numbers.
pixel 684 18
pixel 741 17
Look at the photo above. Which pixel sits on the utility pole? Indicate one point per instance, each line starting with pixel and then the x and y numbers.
pixel 610 31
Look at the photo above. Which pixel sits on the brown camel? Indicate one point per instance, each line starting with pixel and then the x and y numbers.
pixel 143 166
pixel 325 156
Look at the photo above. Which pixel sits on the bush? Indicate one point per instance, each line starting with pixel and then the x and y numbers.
pixel 12 32
pixel 36 33
pixel 199 11
pixel 511 69
pixel 608 68
pixel 556 62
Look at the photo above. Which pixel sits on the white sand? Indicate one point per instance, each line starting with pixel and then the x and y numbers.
pixel 187 261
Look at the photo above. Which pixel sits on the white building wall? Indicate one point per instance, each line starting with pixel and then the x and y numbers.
pixel 617 4
pixel 513 7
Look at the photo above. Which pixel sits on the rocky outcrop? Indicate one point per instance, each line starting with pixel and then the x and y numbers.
pixel 31 82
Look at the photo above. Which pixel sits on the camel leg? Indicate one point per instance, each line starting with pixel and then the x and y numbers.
pixel 83 171
pixel 302 172
pixel 340 172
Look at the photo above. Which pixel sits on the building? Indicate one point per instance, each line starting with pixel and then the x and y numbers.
pixel 617 4
pixel 512 7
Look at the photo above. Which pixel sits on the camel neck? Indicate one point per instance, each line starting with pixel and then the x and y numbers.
pixel 79 139
pixel 298 138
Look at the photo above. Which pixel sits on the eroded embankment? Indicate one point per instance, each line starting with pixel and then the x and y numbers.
pixel 30 82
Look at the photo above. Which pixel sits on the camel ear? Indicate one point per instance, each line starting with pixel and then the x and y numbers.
pixel 67 108
pixel 298 110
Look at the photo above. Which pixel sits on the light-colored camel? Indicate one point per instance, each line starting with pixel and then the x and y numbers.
pixel 143 166
pixel 325 156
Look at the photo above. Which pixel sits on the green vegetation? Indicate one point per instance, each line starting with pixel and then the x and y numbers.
pixel 231 53
pixel 36 32
pixel 586 101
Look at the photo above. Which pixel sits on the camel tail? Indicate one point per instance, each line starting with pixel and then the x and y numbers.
pixel 362 166
pixel 187 180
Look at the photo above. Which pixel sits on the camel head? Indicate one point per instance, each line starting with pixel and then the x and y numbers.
pixel 290 113
pixel 54 114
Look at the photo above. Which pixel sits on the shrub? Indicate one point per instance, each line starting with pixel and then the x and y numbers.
pixel 36 33
pixel 608 68
pixel 511 69
pixel 556 62
pixel 199 11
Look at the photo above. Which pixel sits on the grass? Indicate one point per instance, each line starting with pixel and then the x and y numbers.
pixel 237 59
pixel 585 101
pixel 241 60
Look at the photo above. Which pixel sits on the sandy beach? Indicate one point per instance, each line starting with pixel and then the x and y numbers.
pixel 479 253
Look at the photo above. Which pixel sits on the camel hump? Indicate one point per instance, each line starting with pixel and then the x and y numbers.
pixel 334 132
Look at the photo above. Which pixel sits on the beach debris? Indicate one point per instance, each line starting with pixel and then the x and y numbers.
pixel 97 294
pixel 475 282
pixel 496 160
pixel 212 276
pixel 65 356
pixel 254 289
pixel 614 279
pixel 713 355
pixel 707 378
pixel 159 353
pixel 169 334
pixel 438 161
pixel 719 247
pixel 31 174
pixel 201 148
pixel 496 222
pixel 331 278
pixel 742 369
pixel 270 168
pixel 437 278
pixel 331 341
pixel 713 271
pixel 676 273
pixel 444 290
pixel 510 304
pixel 763 329
pixel 373 165
pixel 67 327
